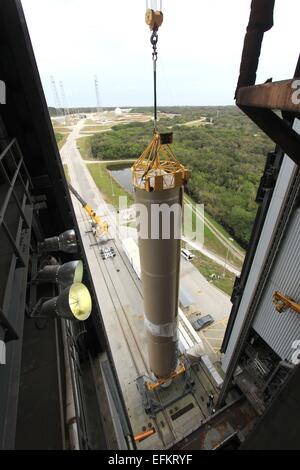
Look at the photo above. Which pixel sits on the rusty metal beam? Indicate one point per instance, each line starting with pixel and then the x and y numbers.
pixel 260 21
pixel 283 95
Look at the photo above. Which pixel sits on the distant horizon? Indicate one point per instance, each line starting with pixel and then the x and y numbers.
pixel 151 107
pixel 199 51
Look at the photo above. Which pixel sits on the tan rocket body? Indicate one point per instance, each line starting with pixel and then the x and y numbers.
pixel 160 260
pixel 158 179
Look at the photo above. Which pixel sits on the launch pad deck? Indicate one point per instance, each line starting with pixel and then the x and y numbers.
pixel 178 413
pixel 158 399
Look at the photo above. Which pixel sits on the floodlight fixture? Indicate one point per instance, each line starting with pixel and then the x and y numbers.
pixel 73 303
pixel 64 274
pixel 65 242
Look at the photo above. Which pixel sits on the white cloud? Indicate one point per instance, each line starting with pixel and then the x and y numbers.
pixel 199 47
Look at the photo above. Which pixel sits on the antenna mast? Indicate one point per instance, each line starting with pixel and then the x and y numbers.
pixel 55 95
pixel 98 101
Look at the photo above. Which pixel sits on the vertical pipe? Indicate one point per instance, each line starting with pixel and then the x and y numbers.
pixel 71 418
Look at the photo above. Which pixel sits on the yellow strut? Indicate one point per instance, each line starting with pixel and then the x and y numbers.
pixel 154 385
pixel 282 302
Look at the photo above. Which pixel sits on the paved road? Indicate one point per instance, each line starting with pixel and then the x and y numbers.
pixel 206 297
pixel 213 256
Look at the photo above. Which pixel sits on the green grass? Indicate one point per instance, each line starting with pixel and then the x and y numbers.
pixel 110 189
pixel 90 122
pixel 95 128
pixel 217 226
pixel 211 242
pixel 62 130
pixel 62 142
pixel 83 144
pixel 207 267
pixel 66 170
pixel 224 232
pixel 60 139
pixel 196 123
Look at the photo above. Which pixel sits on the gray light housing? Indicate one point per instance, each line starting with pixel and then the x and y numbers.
pixel 73 303
pixel 64 275
pixel 65 242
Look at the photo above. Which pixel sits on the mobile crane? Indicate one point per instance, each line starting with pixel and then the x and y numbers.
pixel 98 223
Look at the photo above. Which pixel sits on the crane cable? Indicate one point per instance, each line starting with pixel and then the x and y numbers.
pixel 154 40
pixel 154 19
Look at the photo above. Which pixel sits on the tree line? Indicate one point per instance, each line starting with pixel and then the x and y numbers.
pixel 225 158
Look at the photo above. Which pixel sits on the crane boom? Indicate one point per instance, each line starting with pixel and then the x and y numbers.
pixel 103 226
pixel 77 195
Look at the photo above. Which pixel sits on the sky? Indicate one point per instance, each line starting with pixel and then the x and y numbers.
pixel 199 49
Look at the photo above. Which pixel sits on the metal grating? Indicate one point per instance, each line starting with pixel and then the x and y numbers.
pixel 15 186
pixel 280 330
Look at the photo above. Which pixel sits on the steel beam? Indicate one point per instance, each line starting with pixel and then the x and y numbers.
pixel 10 373
pixel 260 21
pixel 281 95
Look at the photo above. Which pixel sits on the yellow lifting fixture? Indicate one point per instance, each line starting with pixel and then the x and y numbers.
pixel 181 369
pixel 157 168
pixel 283 302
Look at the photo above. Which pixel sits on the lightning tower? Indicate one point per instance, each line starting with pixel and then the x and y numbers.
pixel 55 95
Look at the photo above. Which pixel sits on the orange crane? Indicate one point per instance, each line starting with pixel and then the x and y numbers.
pixel 97 221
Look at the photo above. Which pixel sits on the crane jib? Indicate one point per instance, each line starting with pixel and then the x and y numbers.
pixel 73 190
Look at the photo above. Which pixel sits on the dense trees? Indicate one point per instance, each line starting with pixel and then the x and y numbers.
pixel 225 158
pixel 124 141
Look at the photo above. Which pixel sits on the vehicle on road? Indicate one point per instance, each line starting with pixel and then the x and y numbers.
pixel 202 322
pixel 187 254
pixel 107 252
